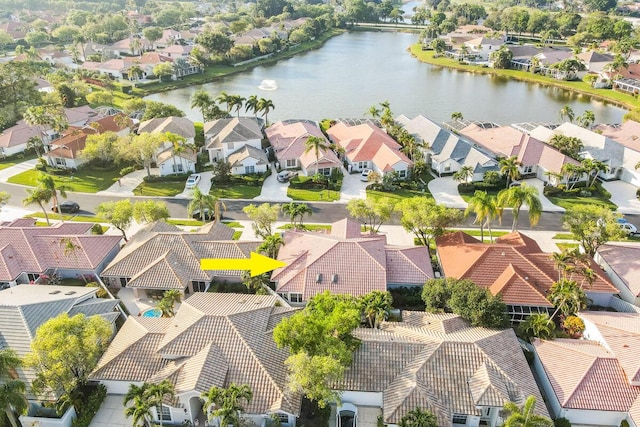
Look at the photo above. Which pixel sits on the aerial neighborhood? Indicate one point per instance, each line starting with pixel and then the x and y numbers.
pixel 228 266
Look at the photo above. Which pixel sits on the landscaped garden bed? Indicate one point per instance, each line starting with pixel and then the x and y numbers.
pixel 315 189
pixel 238 187
pixel 579 195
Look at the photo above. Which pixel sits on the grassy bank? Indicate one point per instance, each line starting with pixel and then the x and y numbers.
pixel 607 95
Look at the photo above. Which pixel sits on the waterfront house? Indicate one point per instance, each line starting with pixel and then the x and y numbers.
pixel 594 61
pixel 170 162
pixel 627 135
pixel 225 136
pixel 482 47
pixel 621 261
pixel 288 141
pixel 464 375
pixel 214 340
pixel 366 146
pixel 514 267
pixel 346 261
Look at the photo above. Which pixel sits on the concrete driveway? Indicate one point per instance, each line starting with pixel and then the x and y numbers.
pixel 445 191
pixel 547 206
pixel 352 187
pixel 623 195
pixel 111 413
pixel 272 190
pixel 204 185
pixel 16 169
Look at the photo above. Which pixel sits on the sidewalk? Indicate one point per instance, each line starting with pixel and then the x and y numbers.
pixel 7 173
pixel 126 184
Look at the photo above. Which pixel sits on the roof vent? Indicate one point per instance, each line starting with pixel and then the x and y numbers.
pixel 319 278
pixel 54 292
pixel 334 278
pixel 70 293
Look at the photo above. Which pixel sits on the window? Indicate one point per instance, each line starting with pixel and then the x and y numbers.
pixel 459 419
pixel 284 418
pixel 177 168
pixel 291 163
pixel 324 171
pixel 166 413
pixel 402 174
pixel 527 169
pixel 295 297
pixel 198 286
pixel 124 281
pixel 363 165
pixel 249 169
pixel 60 162
pixel 33 277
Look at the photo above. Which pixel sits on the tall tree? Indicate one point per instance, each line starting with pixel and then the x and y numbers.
pixel 515 197
pixel 157 394
pixel 567 297
pixel 119 214
pixel 465 174
pixel 147 211
pixel 509 167
pixel 12 391
pixel 567 112
pixel 48 183
pixel 252 105
pixel 203 102
pixel 525 416
pixel 586 119
pixel 62 364
pixel 271 245
pixel 539 325
pixel 592 226
pixel 316 144
pixel 426 219
pixel 205 203
pixel 371 212
pixel 265 105
pixel 296 212
pixel 138 405
pixel 485 207
pixel 39 196
pixel 375 306
pixel 263 217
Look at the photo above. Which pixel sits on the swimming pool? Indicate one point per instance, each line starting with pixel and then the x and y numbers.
pixel 152 312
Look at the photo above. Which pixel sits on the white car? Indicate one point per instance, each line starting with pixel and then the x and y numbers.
pixel 192 181
pixel 364 175
pixel 628 228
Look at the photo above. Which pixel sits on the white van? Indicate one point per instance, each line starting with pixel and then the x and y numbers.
pixel 628 228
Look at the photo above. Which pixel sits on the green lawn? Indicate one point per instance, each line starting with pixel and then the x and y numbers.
pixel 467 197
pixel 568 246
pixel 398 194
pixel 307 227
pixel 569 236
pixel 313 195
pixel 236 235
pixel 14 160
pixel 85 180
pixel 494 233
pixel 233 224
pixel 577 200
pixel 159 189
pixel 236 191
pixel 75 218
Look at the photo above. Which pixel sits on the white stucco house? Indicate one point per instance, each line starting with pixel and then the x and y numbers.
pixel 247 160
pixel 170 163
pixel 225 136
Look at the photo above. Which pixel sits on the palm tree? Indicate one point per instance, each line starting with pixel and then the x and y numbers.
pixel 157 393
pixel 485 207
pixel 12 390
pixel 419 418
pixel 571 174
pixel 509 167
pixel 567 112
pixel 202 101
pixel 237 102
pixel 226 402
pixel 567 297
pixel 315 144
pixel 586 119
pixel 374 111
pixel 265 105
pixel 39 196
pixel 375 306
pixel 295 210
pixel 255 283
pixel 225 98
pixel 457 115
pixel 252 104
pixel 524 416
pixel 538 325
pixel 35 143
pixel 563 262
pixel 168 301
pixel 204 202
pixel 46 182
pixel 271 245
pixel 464 174
pixel 140 408
pixel 515 197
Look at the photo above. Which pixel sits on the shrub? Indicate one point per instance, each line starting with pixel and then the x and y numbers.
pixel 561 422
pixel 167 178
pixel 127 170
pixel 101 292
pixel 466 188
pixel 638 193
pixel 573 326
pixel 89 408
pixel 550 190
pixel 585 193
pixel 97 229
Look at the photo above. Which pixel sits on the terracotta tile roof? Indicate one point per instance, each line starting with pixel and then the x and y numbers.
pixel 626 133
pixel 288 140
pixel 171 259
pixel 593 380
pixel 36 249
pixel 354 265
pixel 70 144
pixel 422 363
pixel 634 411
pixel 514 266
pixel 214 339
pixel 367 142
pixel 624 259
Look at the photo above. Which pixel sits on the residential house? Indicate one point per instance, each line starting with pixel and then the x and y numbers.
pixel 17 30
pixel 120 68
pixel 626 135
pixel 171 36
pixel 170 162
pixel 288 140
pixel 214 340
pixel 225 136
pixel 596 380
pixel 247 160
pixel 14 140
pixel 514 267
pixel 446 152
pixel 594 61
pixel 177 51
pixel 596 146
pixel 29 251
pixel 621 261
pixel 162 257
pixel 345 261
pixel 482 47
pixel 535 157
pixel 522 56
pixel 24 308
pixel 464 375
pixel 366 146
pixel 547 58
pixel 180 126
pixel 626 79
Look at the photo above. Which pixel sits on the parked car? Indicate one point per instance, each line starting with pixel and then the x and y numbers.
pixel 192 181
pixel 628 228
pixel 364 175
pixel 67 207
pixel 208 215
pixel 286 176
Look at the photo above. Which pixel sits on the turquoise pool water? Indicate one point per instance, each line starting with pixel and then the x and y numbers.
pixel 152 312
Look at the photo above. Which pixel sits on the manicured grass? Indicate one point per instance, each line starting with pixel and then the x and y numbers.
pixel 14 160
pixel 84 180
pixel 159 189
pixel 569 236
pixel 72 282
pixel 75 218
pixel 184 222
pixel 574 86
pixel 236 191
pixel 236 235
pixel 563 236
pixel 313 195
pixel 233 224
pixel 398 194
pixel 199 138
pixel 569 246
pixel 494 233
pixel 307 227
pixel 569 202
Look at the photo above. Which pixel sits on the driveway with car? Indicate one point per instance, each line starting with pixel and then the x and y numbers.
pixel 352 187
pixel 272 190
pixel 624 196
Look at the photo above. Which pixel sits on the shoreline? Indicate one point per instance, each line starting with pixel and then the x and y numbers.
pixel 618 99
pixel 215 73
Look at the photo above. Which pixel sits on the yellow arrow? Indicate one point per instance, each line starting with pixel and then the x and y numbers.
pixel 257 264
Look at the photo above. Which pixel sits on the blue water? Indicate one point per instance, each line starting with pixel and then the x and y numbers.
pixel 152 312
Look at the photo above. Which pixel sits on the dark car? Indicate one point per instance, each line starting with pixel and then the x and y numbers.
pixel 67 207
pixel 209 215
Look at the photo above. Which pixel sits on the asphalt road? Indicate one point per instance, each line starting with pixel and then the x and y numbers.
pixel 323 212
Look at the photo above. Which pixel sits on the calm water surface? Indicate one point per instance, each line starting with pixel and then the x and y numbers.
pixel 354 71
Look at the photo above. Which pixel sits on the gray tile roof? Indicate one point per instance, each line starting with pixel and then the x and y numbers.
pixel 440 363
pixel 177 125
pixel 236 129
pixel 214 339
pixel 248 151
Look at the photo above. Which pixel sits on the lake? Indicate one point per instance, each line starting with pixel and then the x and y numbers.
pixel 355 70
